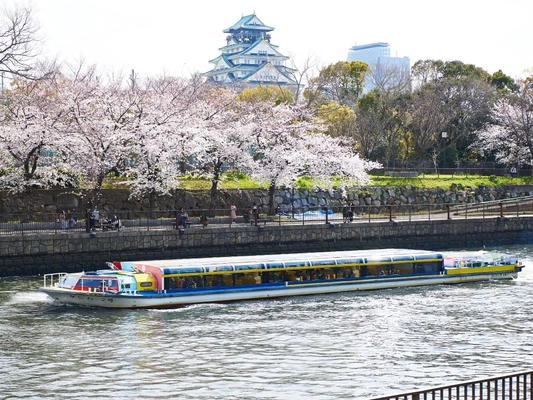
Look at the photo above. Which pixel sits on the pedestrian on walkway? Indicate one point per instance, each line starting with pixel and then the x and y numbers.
pixel 95 218
pixel 351 209
pixel 344 211
pixel 233 214
pixel 255 213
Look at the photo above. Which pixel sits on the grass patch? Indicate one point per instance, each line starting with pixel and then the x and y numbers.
pixel 445 181
pixel 230 180
pixel 234 180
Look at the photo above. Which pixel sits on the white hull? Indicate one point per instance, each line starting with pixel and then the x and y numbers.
pixel 232 293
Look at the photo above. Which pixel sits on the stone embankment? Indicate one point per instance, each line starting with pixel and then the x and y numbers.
pixel 398 196
pixel 117 200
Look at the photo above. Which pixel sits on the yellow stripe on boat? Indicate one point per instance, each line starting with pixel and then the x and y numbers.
pixel 478 270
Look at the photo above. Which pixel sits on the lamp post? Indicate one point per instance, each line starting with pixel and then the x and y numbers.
pixel 444 136
pixel 292 197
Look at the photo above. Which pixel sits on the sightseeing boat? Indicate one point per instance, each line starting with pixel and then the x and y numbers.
pixel 175 283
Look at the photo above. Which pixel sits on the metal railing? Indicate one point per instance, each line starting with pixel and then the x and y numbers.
pixel 17 224
pixel 516 386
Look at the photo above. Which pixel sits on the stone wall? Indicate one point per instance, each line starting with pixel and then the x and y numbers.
pixel 117 200
pixel 45 253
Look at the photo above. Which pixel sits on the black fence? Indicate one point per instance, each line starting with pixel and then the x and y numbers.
pixel 18 224
pixel 425 167
pixel 507 387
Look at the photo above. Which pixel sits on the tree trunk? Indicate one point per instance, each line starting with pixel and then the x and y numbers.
pixel 214 184
pixel 98 188
pixel 271 193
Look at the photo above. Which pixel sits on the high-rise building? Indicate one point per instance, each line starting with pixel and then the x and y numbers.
pixel 386 70
pixel 248 58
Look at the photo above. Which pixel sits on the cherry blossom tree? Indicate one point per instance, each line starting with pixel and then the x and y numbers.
pixel 273 137
pixel 510 138
pixel 33 152
pixel 220 136
pixel 104 115
pixel 287 142
pixel 333 161
pixel 166 136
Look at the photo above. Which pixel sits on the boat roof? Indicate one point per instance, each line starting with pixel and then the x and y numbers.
pixel 284 260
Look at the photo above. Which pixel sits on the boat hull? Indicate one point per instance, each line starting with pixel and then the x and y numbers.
pixel 228 294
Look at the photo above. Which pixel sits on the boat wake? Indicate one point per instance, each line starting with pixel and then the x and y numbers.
pixel 27 297
pixel 189 307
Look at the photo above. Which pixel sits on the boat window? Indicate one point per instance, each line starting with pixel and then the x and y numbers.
pixel 350 261
pixel 248 266
pixel 90 282
pixel 275 265
pixel 291 264
pixel 182 270
pixel 96 282
pixel 402 258
pixel 250 278
pixel 372 260
pixel 430 256
pixel 386 269
pixel 349 273
pixel 187 282
pixel 279 276
pixel 216 280
pixel 428 267
pixel 69 282
pixel 323 262
pixel 214 268
pixel 408 268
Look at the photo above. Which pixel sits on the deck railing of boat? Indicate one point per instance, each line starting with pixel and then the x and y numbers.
pixel 15 224
pixel 514 386
pixel 50 280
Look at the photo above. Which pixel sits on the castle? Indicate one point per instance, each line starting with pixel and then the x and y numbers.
pixel 249 59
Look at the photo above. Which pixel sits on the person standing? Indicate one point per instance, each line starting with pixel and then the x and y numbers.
pixel 68 217
pixel 351 209
pixel 255 213
pixel 95 217
pixel 63 220
pixel 204 220
pixel 72 222
pixel 182 218
pixel 233 214
pixel 344 211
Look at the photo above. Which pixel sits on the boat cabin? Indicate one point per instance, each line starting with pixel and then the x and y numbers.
pixel 201 273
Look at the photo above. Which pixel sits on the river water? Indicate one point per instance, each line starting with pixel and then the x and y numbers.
pixel 340 346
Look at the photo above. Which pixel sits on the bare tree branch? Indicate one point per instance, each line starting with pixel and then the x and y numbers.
pixel 20 43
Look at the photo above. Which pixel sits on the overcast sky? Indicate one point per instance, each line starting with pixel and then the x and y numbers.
pixel 180 37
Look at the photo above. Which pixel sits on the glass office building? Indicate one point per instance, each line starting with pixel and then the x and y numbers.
pixel 377 56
